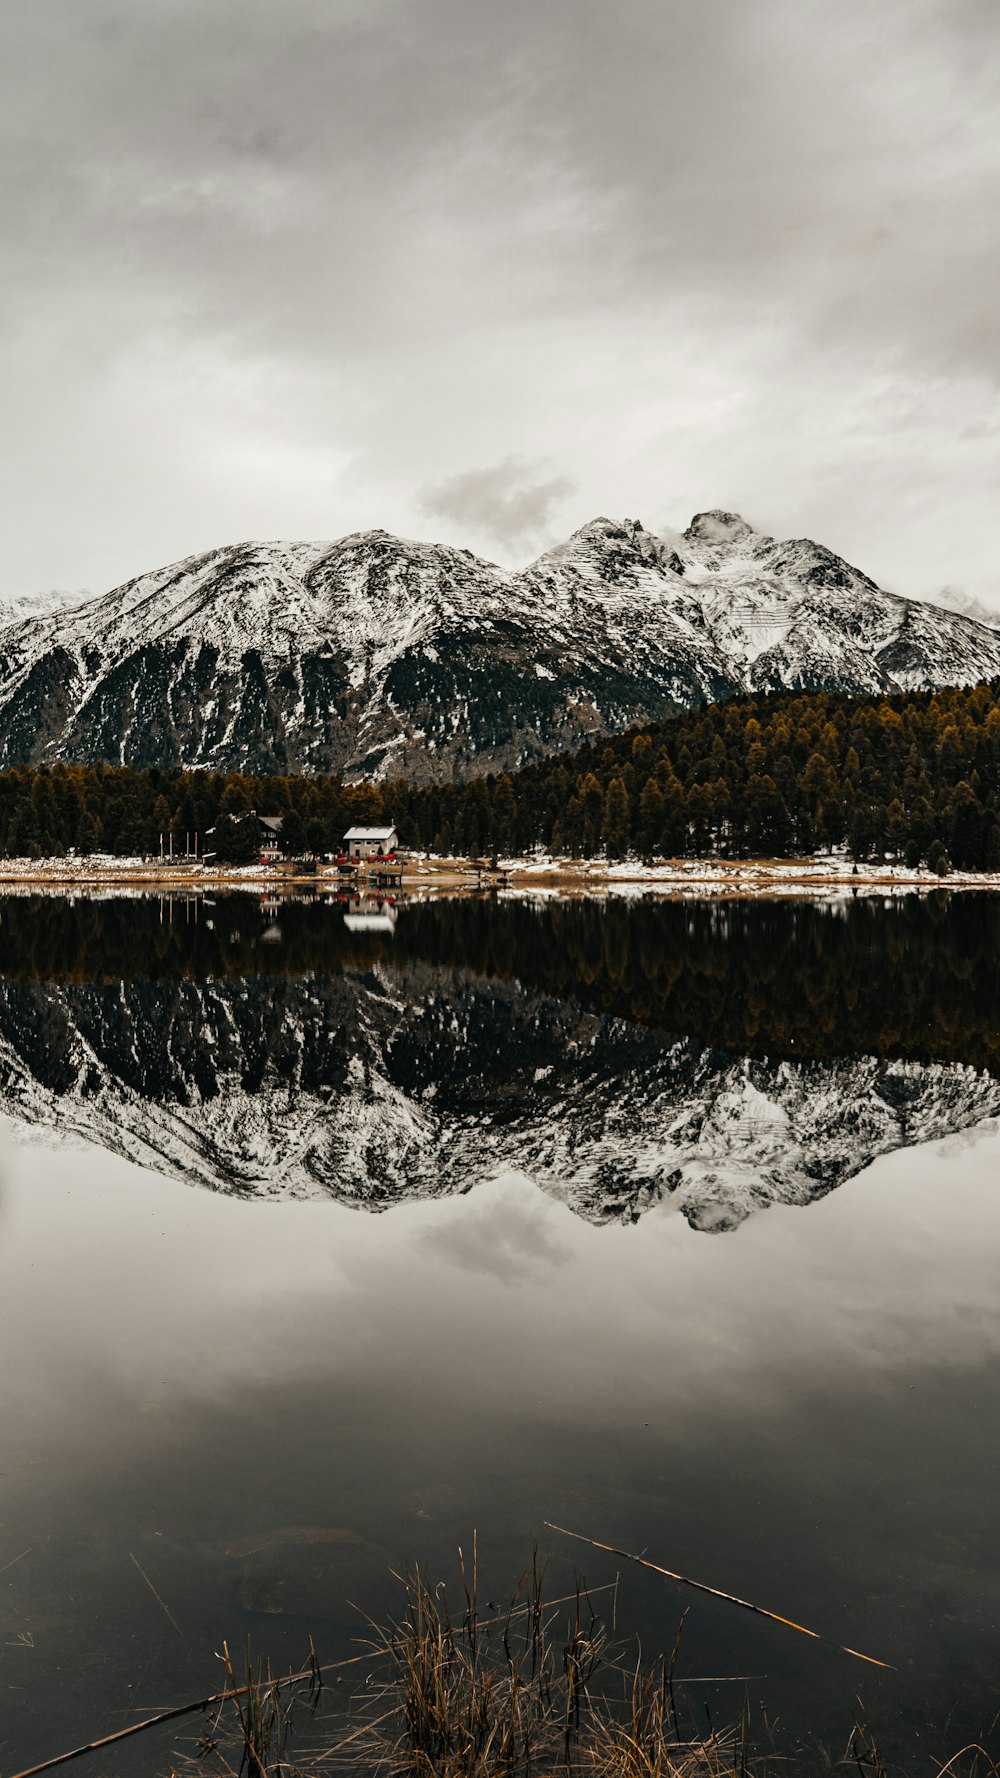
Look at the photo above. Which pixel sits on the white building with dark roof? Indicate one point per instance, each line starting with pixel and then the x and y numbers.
pixel 370 842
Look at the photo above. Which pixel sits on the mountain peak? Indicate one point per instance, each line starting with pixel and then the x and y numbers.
pixel 597 530
pixel 616 548
pixel 717 526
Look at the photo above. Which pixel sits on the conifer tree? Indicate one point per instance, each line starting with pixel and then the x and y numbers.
pixel 616 819
pixel 88 833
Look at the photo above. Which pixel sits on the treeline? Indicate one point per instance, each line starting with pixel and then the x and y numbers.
pixel 913 778
pixel 48 811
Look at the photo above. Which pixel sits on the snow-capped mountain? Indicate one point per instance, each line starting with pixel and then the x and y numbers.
pixel 373 655
pixel 375 1088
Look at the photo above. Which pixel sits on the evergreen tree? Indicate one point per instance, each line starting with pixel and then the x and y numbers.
pixel 161 824
pixel 237 840
pixel 651 814
pixel 293 834
pixel 616 819
pixel 938 858
pixel 88 833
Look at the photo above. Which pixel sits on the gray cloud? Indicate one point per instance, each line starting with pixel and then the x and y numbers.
pixel 506 502
pixel 269 270
pixel 509 1238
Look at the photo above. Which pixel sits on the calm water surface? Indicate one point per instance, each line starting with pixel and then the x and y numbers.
pixel 324 1241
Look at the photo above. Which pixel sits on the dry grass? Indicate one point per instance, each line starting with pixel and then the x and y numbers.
pixel 533 1692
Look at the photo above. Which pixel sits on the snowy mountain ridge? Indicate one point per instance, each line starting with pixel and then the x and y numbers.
pixel 377 656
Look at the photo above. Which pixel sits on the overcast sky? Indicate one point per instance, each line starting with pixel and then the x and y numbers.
pixel 480 270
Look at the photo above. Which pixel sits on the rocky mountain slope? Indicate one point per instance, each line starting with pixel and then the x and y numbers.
pixel 373 655
pixel 380 1087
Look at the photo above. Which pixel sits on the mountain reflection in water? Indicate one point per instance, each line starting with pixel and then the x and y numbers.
pixel 716 1057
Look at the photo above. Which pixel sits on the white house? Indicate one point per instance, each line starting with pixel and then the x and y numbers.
pixel 369 842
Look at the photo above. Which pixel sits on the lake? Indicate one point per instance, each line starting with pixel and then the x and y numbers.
pixel 330 1235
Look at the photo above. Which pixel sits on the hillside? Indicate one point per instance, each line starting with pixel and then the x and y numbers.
pixel 374 657
pixel 914 777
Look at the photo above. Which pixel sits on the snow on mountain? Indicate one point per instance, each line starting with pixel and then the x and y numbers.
pixel 18 606
pixel 421 1081
pixel 373 655
pixel 955 599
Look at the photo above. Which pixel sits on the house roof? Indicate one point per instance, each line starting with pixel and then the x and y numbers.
pixel 273 823
pixel 369 833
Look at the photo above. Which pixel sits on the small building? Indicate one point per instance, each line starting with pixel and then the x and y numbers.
pixel 370 842
pixel 269 828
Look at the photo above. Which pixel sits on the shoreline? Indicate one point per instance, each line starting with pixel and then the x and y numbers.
pixel 546 876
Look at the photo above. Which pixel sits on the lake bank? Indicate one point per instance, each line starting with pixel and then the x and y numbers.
pixel 546 875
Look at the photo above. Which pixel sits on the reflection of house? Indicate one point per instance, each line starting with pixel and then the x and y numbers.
pixel 370 842
pixel 368 914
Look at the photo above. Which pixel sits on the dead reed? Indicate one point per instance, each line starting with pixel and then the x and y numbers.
pixel 535 1691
